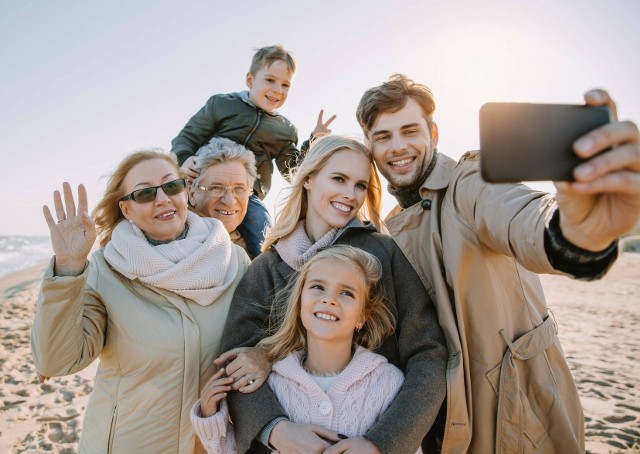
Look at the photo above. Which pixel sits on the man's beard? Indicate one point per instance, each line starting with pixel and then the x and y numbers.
pixel 410 194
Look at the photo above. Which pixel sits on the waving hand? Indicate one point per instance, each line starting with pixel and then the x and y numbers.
pixel 74 232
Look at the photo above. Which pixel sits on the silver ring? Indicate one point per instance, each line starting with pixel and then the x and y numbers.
pixel 60 220
pixel 250 381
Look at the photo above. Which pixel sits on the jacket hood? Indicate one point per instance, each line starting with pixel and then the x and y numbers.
pixel 244 97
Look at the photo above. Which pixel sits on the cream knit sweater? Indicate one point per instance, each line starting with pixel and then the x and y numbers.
pixel 353 403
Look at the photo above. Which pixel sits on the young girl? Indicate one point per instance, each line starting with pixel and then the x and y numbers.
pixel 324 372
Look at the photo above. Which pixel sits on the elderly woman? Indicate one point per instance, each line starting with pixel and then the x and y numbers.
pixel 150 304
pixel 222 190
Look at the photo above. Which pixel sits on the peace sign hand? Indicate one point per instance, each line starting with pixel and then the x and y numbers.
pixel 322 128
pixel 73 235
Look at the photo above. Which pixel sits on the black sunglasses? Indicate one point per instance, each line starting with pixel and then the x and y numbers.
pixel 147 195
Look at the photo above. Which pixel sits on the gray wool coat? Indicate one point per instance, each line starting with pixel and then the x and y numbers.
pixel 417 347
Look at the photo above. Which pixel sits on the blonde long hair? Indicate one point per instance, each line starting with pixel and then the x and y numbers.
pixel 107 213
pixel 291 335
pixel 294 206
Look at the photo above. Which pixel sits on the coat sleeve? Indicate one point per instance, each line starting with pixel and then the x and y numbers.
pixel 246 325
pixel 388 380
pixel 196 132
pixel 518 222
pixel 509 219
pixel 289 157
pixel 422 357
pixel 215 432
pixel 70 323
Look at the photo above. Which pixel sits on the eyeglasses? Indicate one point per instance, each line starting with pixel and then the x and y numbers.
pixel 217 190
pixel 146 195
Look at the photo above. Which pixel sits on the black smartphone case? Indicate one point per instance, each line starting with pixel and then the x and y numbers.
pixel 533 142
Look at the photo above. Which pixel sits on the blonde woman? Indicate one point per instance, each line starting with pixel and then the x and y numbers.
pixel 151 304
pixel 321 353
pixel 333 183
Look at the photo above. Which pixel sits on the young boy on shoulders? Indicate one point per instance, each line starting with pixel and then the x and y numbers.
pixel 250 118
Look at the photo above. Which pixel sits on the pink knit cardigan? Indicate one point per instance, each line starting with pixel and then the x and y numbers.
pixel 353 403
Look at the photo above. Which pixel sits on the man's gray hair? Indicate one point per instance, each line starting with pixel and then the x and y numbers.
pixel 220 151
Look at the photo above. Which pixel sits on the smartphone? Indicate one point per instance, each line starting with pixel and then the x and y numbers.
pixel 533 142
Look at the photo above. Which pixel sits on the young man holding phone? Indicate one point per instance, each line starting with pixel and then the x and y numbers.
pixel 478 247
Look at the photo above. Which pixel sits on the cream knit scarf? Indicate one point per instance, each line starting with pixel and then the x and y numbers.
pixel 199 267
pixel 296 248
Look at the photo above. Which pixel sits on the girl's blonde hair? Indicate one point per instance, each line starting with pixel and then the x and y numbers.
pixel 291 335
pixel 294 206
pixel 107 213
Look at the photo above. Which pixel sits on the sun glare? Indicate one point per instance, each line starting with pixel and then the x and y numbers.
pixel 474 68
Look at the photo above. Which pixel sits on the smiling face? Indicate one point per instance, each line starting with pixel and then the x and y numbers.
pixel 332 302
pixel 164 218
pixel 336 192
pixel 269 87
pixel 229 209
pixel 402 144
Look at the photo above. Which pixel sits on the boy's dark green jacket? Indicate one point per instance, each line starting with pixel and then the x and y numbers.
pixel 269 136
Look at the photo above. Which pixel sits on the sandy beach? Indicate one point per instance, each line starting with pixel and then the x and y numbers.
pixel 598 322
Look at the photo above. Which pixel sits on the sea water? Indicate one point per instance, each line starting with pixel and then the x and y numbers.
pixel 19 252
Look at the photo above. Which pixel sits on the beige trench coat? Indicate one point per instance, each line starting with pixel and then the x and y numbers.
pixel 477 248
pixel 156 351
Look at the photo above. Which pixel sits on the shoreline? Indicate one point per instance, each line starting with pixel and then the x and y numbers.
pixel 598 326
pixel 16 281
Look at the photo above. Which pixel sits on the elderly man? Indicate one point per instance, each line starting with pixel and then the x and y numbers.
pixel 222 190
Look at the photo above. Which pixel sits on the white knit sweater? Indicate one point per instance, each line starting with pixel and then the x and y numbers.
pixel 353 403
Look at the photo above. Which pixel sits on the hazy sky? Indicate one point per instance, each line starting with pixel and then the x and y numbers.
pixel 84 83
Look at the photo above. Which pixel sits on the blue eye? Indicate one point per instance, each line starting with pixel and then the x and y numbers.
pixel 361 186
pixel 347 293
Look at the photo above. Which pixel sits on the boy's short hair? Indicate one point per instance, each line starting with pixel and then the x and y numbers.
pixel 266 56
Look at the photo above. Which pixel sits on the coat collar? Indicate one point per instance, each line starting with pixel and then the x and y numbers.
pixel 244 96
pixel 361 365
pixel 438 179
pixel 355 224
pixel 440 175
